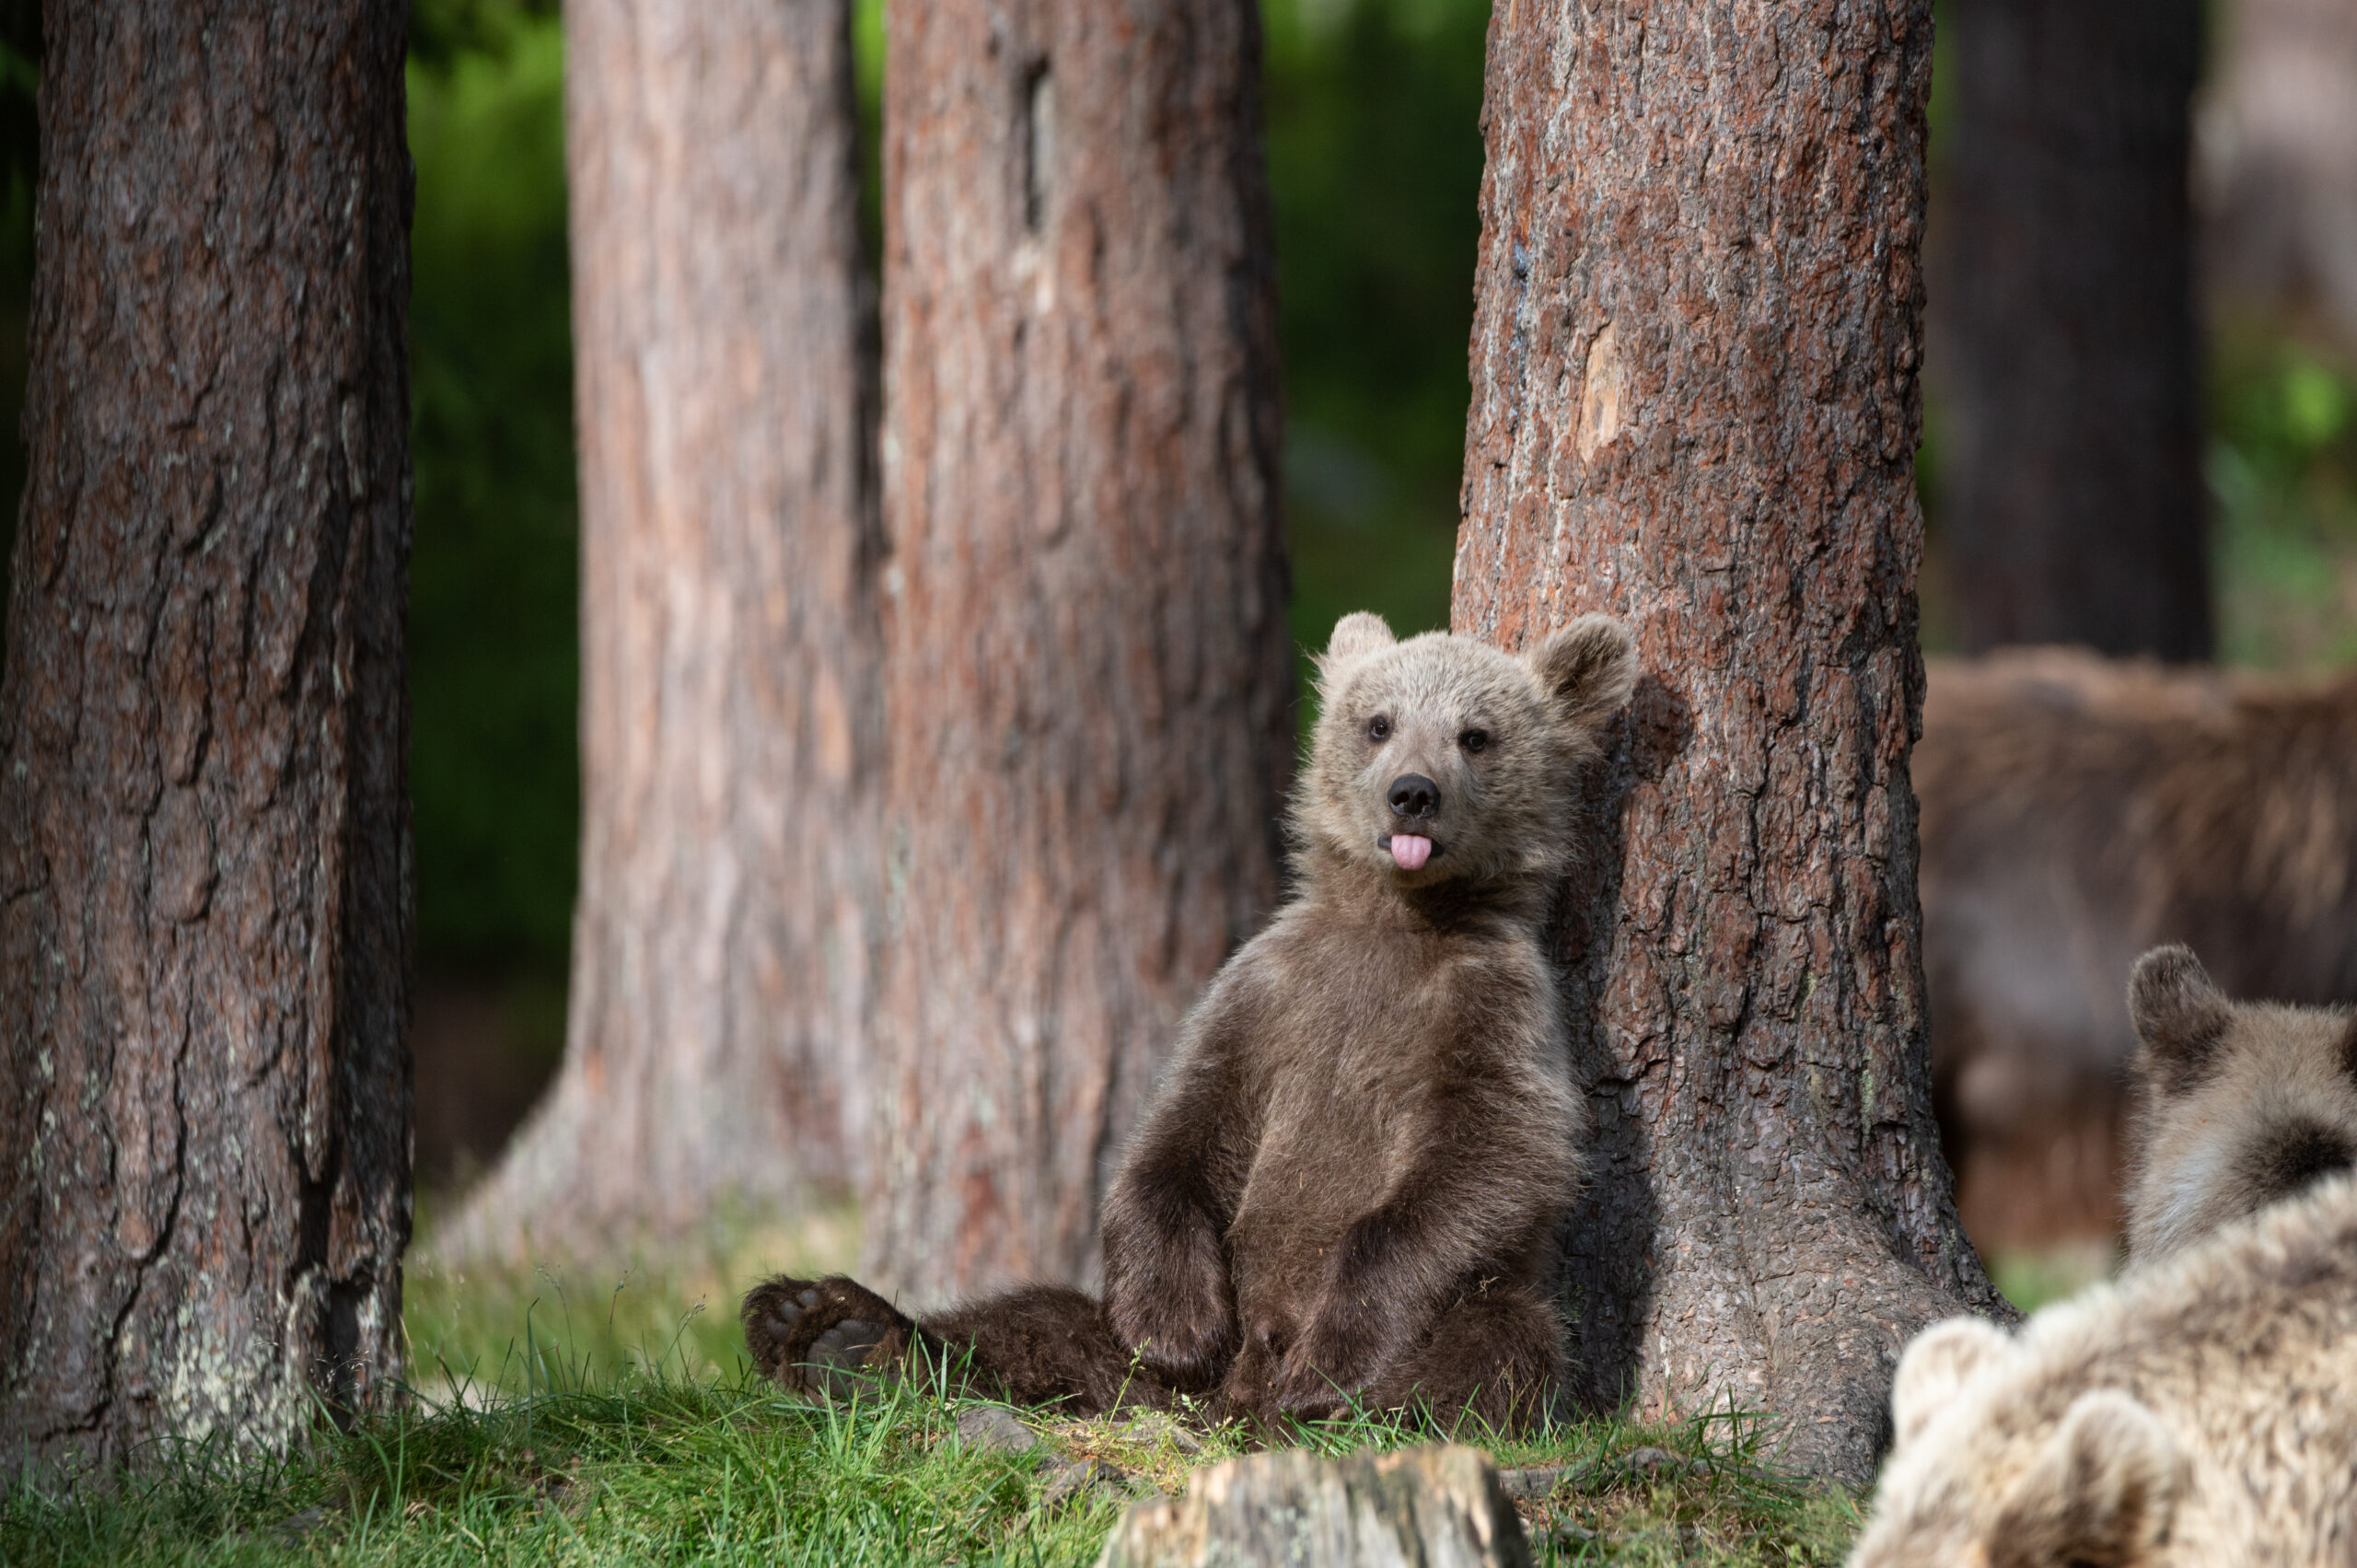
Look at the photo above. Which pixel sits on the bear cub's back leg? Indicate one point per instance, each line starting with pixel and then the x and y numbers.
pixel 1036 1345
pixel 1046 1344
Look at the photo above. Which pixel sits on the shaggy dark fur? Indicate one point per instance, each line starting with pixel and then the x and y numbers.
pixel 1349 1183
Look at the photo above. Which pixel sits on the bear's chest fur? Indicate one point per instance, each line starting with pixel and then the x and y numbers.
pixel 1346 1084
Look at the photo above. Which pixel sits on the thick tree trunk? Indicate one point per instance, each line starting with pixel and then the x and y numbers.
pixel 2278 165
pixel 1089 674
pixel 205 886
pixel 2071 500
pixel 1695 406
pixel 724 930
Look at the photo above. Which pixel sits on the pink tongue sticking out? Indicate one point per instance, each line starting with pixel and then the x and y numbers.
pixel 1410 851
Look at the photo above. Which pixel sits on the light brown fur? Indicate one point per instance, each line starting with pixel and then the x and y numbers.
pixel 2237 1105
pixel 1349 1182
pixel 2201 1413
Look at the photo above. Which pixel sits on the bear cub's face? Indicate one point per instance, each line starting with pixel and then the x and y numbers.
pixel 2240 1104
pixel 1441 759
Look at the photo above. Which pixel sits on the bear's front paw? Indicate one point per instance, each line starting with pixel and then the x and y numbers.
pixel 813 1336
pixel 1188 1354
pixel 1307 1387
pixel 1187 1339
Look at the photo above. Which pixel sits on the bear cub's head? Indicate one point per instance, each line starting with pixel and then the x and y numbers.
pixel 2239 1104
pixel 1441 759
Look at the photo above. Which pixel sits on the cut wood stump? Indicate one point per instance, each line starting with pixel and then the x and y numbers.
pixel 1435 1507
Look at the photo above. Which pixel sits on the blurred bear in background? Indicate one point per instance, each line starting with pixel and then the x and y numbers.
pixel 2077 811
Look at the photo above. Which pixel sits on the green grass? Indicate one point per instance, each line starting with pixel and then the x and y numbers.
pixel 609 1418
pixel 510 1330
pixel 2032 1279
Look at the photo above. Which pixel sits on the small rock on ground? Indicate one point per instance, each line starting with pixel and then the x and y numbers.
pixel 1541 1481
pixel 1155 1426
pixel 1072 1480
pixel 992 1428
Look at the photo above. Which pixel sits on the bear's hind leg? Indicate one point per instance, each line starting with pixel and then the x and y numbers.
pixel 1043 1345
pixel 1495 1355
pixel 812 1335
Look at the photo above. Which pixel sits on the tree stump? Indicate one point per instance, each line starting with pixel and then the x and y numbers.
pixel 1439 1507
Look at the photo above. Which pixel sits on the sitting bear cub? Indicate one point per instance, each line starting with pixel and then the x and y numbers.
pixel 1349 1182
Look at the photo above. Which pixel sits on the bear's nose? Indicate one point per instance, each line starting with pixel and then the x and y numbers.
pixel 1412 795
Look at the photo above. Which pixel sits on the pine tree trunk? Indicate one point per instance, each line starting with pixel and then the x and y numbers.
pixel 1695 406
pixel 1089 672
pixel 204 862
pixel 724 931
pixel 2071 500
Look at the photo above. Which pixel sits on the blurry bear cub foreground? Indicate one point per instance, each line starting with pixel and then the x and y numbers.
pixel 2203 1409
pixel 1349 1180
pixel 2202 1412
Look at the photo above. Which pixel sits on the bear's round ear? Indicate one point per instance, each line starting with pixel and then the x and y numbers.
pixel 2105 1490
pixel 2180 1015
pixel 1361 631
pixel 1589 668
pixel 1938 1363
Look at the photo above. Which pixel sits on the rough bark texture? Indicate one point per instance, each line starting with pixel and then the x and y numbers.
pixel 1695 407
pixel 1088 665
pixel 2278 157
pixel 1437 1507
pixel 204 862
pixel 2062 349
pixel 723 935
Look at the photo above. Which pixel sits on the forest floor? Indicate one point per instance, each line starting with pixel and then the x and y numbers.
pixel 558 1421
pixel 641 1468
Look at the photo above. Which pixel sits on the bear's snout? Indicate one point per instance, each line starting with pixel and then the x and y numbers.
pixel 1414 795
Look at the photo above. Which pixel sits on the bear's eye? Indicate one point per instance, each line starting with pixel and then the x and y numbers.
pixel 1378 729
pixel 1474 739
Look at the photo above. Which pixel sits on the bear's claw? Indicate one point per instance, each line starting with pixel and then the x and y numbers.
pixel 813 1336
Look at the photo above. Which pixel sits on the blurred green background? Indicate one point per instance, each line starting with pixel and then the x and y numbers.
pixel 1375 157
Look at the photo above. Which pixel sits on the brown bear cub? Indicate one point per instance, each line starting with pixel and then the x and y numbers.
pixel 1347 1187
pixel 2236 1104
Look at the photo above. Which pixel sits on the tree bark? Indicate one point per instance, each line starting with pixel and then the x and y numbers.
pixel 1695 407
pixel 724 928
pixel 204 883
pixel 1440 1507
pixel 1088 667
pixel 2070 503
